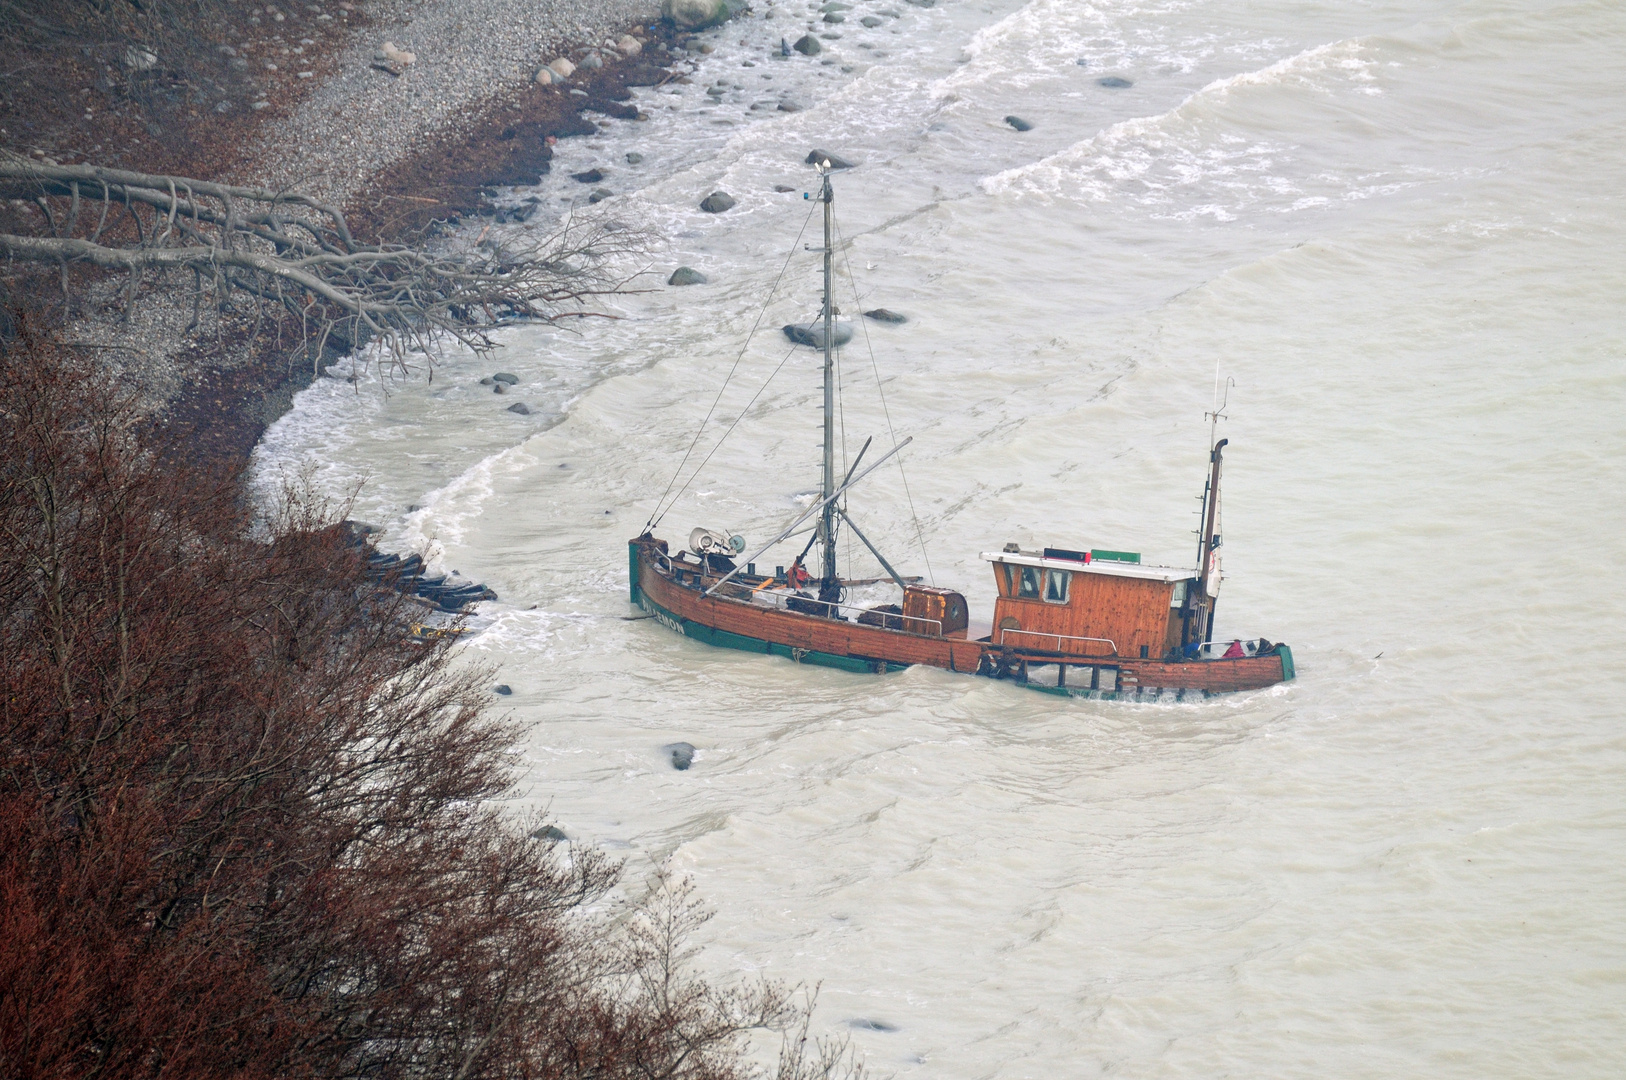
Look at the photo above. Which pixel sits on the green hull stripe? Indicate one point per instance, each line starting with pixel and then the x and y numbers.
pixel 1288 671
pixel 632 572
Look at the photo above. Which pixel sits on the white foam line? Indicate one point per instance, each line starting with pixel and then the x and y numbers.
pixel 1300 65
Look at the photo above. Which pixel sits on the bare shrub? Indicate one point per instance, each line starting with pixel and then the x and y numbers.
pixel 250 828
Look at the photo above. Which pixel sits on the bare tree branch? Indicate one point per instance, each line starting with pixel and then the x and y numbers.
pixel 291 251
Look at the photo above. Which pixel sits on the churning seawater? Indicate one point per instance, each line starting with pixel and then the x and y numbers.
pixel 1399 228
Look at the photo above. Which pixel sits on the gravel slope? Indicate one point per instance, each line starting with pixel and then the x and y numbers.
pixel 361 120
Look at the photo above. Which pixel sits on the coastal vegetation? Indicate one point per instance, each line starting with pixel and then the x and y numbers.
pixel 250 826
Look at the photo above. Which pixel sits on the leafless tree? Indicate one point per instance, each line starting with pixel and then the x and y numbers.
pixel 279 252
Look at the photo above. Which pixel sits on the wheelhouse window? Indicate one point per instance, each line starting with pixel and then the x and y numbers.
pixel 1008 575
pixel 1030 583
pixel 1055 585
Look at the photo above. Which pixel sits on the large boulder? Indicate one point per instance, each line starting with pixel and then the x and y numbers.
pixel 808 45
pixel 812 334
pixel 717 202
pixel 686 275
pixel 817 156
pixel 698 14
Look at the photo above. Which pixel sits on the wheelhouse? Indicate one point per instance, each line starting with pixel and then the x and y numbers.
pixel 1090 603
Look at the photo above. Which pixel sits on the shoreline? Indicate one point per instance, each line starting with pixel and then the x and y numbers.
pixel 400 151
pixel 226 406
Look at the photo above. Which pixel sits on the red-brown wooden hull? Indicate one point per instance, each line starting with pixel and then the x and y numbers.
pixel 675 596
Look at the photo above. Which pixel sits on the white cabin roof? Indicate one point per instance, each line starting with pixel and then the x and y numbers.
pixel 1094 566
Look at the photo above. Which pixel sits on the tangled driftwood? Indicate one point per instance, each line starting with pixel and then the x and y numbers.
pixel 261 247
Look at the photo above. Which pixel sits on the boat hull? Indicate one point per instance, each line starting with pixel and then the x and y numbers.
pixel 675 597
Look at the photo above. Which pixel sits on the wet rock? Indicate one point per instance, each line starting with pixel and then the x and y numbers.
pixel 717 202
pixel 834 5
pixel 695 14
pixel 816 156
pixel 550 833
pixel 870 21
pixel 881 314
pixel 634 157
pixel 499 388
pixel 808 45
pixel 591 176
pixel 591 62
pixel 1081 62
pixel 790 106
pixel 562 68
pixel 834 17
pixel 1018 123
pixel 681 754
pixel 812 334
pixel 487 381
pixel 686 275
pixel 502 688
pixel 1112 82
pixel 506 377
pixel 695 45
pixel 520 407
pixel 715 91
pixel 599 195
pixel 866 1024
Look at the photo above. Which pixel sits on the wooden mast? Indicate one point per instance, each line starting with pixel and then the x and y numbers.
pixel 829 582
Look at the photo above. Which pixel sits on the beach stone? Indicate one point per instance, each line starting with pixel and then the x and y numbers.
pixel 783 188
pixel 1018 123
pixel 487 381
pixel 1081 62
pixel 686 275
pixel 503 688
pixel 499 388
pixel 592 61
pixel 717 202
pixel 816 155
pixel 808 45
pixel 881 314
pixel 634 157
pixel 681 754
pixel 715 91
pixel 695 14
pixel 870 21
pixel 864 1023
pixel 790 106
pixel 599 195
pixel 695 45
pixel 562 68
pixel 591 176
pixel 506 377
pixel 812 334
pixel 545 76
pixel 1112 82
pixel 520 407
pixel 397 55
pixel 834 17
pixel 835 5
pixel 551 833
pixel 629 45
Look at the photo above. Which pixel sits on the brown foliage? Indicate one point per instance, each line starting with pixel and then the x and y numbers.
pixel 248 827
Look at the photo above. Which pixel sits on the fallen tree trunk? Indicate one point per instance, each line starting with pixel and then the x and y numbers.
pixel 296 253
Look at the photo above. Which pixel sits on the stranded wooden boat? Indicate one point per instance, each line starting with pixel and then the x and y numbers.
pixel 1083 622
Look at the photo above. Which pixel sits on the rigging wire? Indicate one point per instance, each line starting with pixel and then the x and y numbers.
pixel 658 513
pixel 920 535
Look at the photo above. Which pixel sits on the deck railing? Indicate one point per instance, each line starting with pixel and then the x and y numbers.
pixel 1059 638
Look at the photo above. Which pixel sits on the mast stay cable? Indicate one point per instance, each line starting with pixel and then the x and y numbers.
pixel 658 513
pixel 920 535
